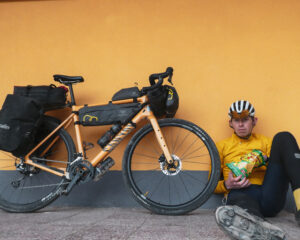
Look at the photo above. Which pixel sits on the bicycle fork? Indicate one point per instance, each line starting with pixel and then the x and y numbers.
pixel 159 136
pixel 161 140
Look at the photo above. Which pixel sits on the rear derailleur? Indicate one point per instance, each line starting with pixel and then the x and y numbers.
pixel 25 170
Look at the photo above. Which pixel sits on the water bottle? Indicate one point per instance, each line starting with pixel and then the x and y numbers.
pixel 109 135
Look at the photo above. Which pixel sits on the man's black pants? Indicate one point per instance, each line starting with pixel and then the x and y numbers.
pixel 269 198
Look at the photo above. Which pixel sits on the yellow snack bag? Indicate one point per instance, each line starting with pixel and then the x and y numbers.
pixel 248 162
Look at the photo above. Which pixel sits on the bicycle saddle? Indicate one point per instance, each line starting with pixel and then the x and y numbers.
pixel 67 79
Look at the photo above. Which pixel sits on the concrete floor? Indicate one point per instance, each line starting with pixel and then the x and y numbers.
pixel 120 223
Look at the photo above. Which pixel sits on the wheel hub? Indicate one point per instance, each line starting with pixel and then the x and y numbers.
pixel 173 168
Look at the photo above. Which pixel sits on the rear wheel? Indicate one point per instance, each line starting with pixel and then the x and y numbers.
pixel 24 188
pixel 177 188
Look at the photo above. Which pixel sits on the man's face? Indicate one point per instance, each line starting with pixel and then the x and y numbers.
pixel 243 127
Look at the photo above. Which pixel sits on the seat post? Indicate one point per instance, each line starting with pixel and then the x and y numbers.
pixel 71 94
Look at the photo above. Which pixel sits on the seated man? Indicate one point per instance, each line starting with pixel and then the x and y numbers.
pixel 263 192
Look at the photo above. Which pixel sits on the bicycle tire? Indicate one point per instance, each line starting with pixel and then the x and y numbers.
pixel 162 190
pixel 29 191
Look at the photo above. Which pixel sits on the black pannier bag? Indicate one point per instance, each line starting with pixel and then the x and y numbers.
pixel 126 93
pixel 50 97
pixel 19 119
pixel 107 114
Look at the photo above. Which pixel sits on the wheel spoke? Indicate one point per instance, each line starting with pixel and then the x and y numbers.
pixel 195 150
pixel 150 163
pixel 137 180
pixel 181 144
pixel 175 143
pixel 147 156
pixel 193 177
pixel 185 186
pixel 189 147
pixel 157 186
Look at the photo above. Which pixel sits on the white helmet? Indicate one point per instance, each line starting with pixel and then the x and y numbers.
pixel 241 109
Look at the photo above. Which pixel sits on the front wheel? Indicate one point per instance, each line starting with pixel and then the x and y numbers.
pixel 171 189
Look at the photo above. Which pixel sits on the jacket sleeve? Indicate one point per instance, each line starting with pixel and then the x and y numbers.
pixel 221 187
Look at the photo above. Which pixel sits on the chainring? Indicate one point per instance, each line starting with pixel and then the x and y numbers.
pixel 83 168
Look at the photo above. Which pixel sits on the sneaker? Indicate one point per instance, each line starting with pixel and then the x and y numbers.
pixel 239 224
pixel 297 217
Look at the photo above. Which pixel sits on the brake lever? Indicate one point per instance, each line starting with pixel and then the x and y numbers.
pixel 170 73
pixel 170 79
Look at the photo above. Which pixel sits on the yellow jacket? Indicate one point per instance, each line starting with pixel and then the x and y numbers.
pixel 233 148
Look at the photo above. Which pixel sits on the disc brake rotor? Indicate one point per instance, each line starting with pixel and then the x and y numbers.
pixel 173 168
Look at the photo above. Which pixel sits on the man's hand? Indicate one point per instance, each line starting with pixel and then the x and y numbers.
pixel 236 182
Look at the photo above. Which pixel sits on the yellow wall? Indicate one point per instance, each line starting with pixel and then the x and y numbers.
pixel 221 50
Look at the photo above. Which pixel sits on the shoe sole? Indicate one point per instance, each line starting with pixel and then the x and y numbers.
pixel 239 224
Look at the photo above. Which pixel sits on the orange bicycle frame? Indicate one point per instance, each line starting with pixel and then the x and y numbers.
pixel 145 112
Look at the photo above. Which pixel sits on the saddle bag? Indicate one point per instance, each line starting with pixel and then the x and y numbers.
pixel 19 119
pixel 50 97
pixel 108 114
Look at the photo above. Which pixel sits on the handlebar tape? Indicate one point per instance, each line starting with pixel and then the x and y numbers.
pixel 154 76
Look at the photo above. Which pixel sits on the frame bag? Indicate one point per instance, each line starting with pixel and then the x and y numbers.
pixel 19 119
pixel 107 114
pixel 50 97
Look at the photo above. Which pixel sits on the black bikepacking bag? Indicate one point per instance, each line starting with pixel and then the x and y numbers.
pixel 157 99
pixel 50 97
pixel 19 118
pixel 107 114
pixel 126 93
pixel 163 101
pixel 172 101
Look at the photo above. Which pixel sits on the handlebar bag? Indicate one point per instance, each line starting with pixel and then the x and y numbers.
pixel 108 114
pixel 19 119
pixel 157 99
pixel 172 101
pixel 50 97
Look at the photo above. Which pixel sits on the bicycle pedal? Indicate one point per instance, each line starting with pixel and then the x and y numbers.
pixel 103 168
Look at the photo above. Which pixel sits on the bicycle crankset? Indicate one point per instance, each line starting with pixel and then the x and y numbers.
pixel 79 171
pixel 82 168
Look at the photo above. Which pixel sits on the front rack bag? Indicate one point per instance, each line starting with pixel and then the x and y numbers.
pixel 108 114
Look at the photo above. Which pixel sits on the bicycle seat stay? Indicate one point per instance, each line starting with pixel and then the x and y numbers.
pixel 67 79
